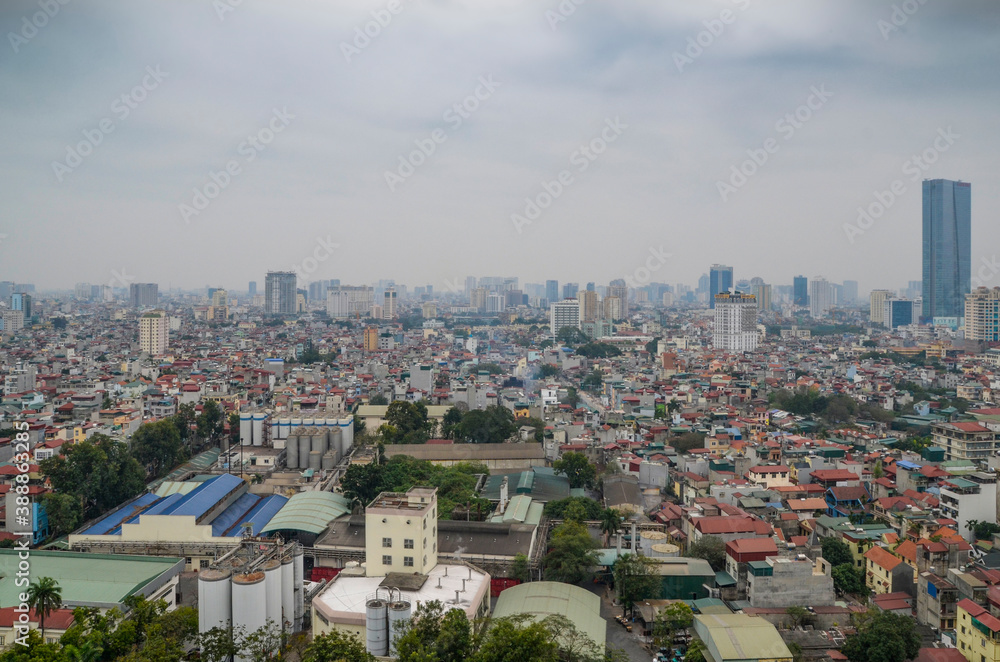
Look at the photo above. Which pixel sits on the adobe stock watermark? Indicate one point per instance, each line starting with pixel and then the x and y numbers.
pixel 642 275
pixel 455 116
pixel 714 28
pixel 914 167
pixel 121 108
pixel 322 251
pixel 120 279
pixel 23 528
pixel 580 159
pixel 219 180
pixel 223 7
pixel 364 34
pixel 899 17
pixel 562 12
pixel 786 126
pixel 987 271
pixel 30 27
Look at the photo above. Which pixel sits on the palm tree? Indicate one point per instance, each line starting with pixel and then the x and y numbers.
pixel 611 521
pixel 44 596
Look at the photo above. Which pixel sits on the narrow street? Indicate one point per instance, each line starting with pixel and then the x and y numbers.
pixel 618 637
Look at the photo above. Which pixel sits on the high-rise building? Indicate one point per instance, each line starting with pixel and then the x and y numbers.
pixel 495 302
pixel 735 322
pixel 280 293
pixel 762 292
pixel 947 247
pixel 982 314
pixel 570 290
pixel 219 297
pixel 470 284
pixel 13 321
pixel 143 295
pixel 877 300
pixel 429 310
pixel 154 332
pixel 897 312
pixel 349 301
pixel 389 304
pixel 588 306
pixel 590 287
pixel 850 290
pixel 552 290
pixel 252 288
pixel 82 291
pixel 564 313
pixel 720 280
pixel 371 338
pixel 822 297
pixel 22 302
pixel 800 291
pixel 618 288
pixel 477 299
pixel 612 308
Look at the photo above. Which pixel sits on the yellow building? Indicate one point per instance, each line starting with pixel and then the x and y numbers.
pixel 371 338
pixel 881 570
pixel 401 532
pixel 978 633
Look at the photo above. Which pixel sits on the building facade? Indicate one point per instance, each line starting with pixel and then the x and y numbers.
pixel 735 322
pixel 982 315
pixel 143 295
pixel 720 281
pixel 947 247
pixel 154 332
pixel 280 293
pixel 564 313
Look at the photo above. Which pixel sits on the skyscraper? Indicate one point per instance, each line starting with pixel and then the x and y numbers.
pixel 897 312
pixel 947 247
pixel 252 288
pixel 982 314
pixel 564 313
pixel 279 293
pixel 800 291
pixel 877 300
pixel 588 306
pixel 22 302
pixel 552 291
pixel 822 297
pixel 735 326
pixel 154 332
pixel 850 290
pixel 618 288
pixel 720 280
pixel 570 290
pixel 143 295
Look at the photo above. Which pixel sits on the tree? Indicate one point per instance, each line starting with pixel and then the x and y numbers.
pixel 211 420
pixel 547 370
pixel 572 397
pixel 836 551
pixel 577 468
pixel 710 548
pixel 99 472
pixel 798 616
pixel 882 636
pixel 568 335
pixel 409 422
pixel 362 482
pixel 450 422
pixel 696 651
pixel 675 617
pixel 571 553
pixel 635 580
pixel 63 512
pixel 44 596
pixel 337 646
pixel 435 634
pixel 493 425
pixel 849 579
pixel 688 440
pixel 557 509
pixel 158 446
pixel 378 399
pixel 519 569
pixel 59 323
pixel 593 380
pixel 611 522
pixel 507 640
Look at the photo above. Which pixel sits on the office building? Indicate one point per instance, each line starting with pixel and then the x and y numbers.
pixel 762 291
pixel 877 300
pixel 552 291
pixel 389 304
pixel 590 287
pixel 822 297
pixel 154 332
pixel 800 291
pixel 143 295
pixel 735 322
pixel 564 313
pixel 280 293
pixel 22 302
pixel 470 284
pixel 252 288
pixel 618 288
pixel 720 280
pixel 349 301
pixel 897 313
pixel 570 290
pixel 982 315
pixel 850 292
pixel 947 247
pixel 13 321
pixel 588 306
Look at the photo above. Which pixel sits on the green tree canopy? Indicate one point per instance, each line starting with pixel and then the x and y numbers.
pixel 557 509
pixel 882 636
pixel 99 472
pixel 836 551
pixel 635 580
pixel 337 646
pixel 710 548
pixel 158 447
pixel 571 553
pixel 493 425
pixel 577 468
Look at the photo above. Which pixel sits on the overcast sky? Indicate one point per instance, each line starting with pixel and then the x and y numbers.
pixel 333 112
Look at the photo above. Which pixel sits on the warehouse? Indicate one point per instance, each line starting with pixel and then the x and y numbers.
pixel 542 599
pixel 738 637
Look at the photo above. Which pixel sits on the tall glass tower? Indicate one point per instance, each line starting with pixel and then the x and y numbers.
pixel 720 281
pixel 947 248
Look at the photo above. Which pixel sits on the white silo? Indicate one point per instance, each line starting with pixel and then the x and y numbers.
pixel 347 429
pixel 337 441
pixel 649 538
pixel 319 440
pixel 246 428
pixel 294 424
pixel 308 422
pixel 399 612
pixel 287 592
pixel 249 602
pixel 292 452
pixel 305 445
pixel 258 428
pixel 272 585
pixel 315 460
pixel 376 627
pixel 214 599
pixel 284 427
pixel 300 596
pixel 664 550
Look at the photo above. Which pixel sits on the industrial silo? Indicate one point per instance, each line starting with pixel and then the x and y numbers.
pixel 284 427
pixel 214 599
pixel 649 538
pixel 246 428
pixel 300 596
pixel 249 602
pixel 399 613
pixel 288 592
pixel 329 461
pixel 305 445
pixel 294 424
pixel 347 429
pixel 308 422
pixel 315 460
pixel 337 441
pixel 258 428
pixel 272 585
pixel 319 440
pixel 292 452
pixel 376 627
pixel 664 550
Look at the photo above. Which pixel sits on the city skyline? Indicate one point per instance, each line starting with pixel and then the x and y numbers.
pixel 835 158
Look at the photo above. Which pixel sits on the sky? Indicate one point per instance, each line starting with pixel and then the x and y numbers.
pixel 204 143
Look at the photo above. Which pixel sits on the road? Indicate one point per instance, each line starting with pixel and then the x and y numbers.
pixel 618 637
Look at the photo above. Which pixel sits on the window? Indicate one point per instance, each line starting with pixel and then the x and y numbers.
pixel 3 640
pixel 386 560
pixel 408 561
pixel 387 542
pixel 203 563
pixel 407 543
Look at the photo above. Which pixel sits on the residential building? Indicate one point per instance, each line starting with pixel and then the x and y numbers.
pixel 612 308
pixel 720 281
pixel 977 632
pixel 13 321
pixel 762 292
pixel 280 293
pixel 982 315
pixel 800 291
pixel 740 552
pixel 401 531
pixel 788 582
pixel 877 300
pixel 735 322
pixel 947 247
pixel 887 573
pixel 477 299
pixel 589 312
pixel 143 295
pixel 769 476
pixel 964 440
pixel 618 288
pixel 564 313
pixel 371 338
pixel 344 301
pixel 389 305
pixel 822 297
pixel 972 497
pixel 937 601
pixel 154 332
pixel 850 290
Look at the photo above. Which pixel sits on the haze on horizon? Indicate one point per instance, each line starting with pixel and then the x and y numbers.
pixel 882 82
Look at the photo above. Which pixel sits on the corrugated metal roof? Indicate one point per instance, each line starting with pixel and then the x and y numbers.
pixel 203 498
pixel 311 512
pixel 117 517
pixel 542 599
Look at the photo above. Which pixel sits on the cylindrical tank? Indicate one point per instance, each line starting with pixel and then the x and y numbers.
pixel 272 585
pixel 284 427
pixel 292 452
pixel 664 550
pixel 294 425
pixel 308 422
pixel 329 461
pixel 399 612
pixel 376 628
pixel 318 441
pixel 649 538
pixel 287 593
pixel 258 428
pixel 315 460
pixel 305 445
pixel 300 595
pixel 246 428
pixel 249 602
pixel 337 441
pixel 332 424
pixel 214 599
pixel 347 428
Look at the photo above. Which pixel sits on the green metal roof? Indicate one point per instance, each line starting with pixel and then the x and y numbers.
pixel 311 512
pixel 541 599
pixel 99 580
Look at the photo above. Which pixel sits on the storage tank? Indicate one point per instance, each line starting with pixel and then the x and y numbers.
pixel 649 538
pixel 329 461
pixel 319 440
pixel 399 612
pixel 294 425
pixel 337 441
pixel 305 445
pixel 272 586
pixel 258 428
pixel 376 624
pixel 332 424
pixel 308 422
pixel 315 460
pixel 664 550
pixel 292 452
pixel 287 593
pixel 284 427
pixel 249 602
pixel 214 599
pixel 300 596
pixel 347 429
pixel 246 428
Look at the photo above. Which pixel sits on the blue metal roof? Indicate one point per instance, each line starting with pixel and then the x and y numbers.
pixel 113 520
pixel 231 516
pixel 204 497
pixel 909 466
pixel 263 512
